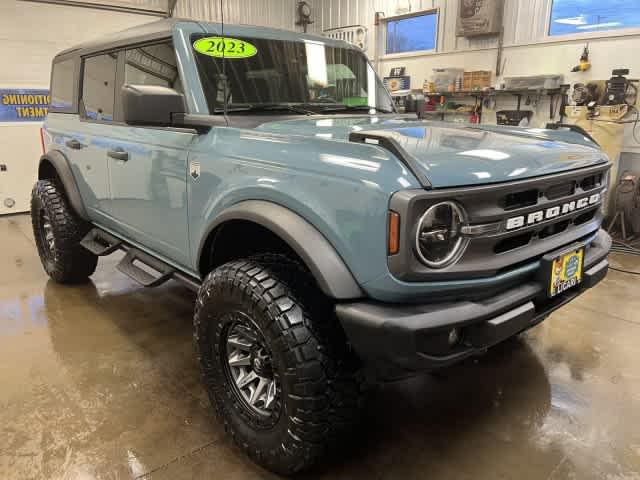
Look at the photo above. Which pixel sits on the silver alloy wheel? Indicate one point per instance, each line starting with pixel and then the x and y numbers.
pixel 49 239
pixel 251 368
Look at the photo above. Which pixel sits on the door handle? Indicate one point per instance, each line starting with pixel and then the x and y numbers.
pixel 118 154
pixel 73 143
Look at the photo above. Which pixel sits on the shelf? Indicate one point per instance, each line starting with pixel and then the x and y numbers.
pixel 488 93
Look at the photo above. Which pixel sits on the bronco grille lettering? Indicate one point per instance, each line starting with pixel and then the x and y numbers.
pixel 551 212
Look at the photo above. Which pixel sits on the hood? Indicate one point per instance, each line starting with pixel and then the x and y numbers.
pixel 452 155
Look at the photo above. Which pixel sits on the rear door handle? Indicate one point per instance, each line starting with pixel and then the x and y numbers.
pixel 118 154
pixel 73 143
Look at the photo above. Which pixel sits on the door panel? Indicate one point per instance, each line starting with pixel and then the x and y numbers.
pixel 148 189
pixel 85 146
pixel 148 166
pixel 65 131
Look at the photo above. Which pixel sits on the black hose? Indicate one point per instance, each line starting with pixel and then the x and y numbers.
pixel 624 271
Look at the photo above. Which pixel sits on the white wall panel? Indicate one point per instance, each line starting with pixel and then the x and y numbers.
pixel 27 46
pixel 266 13
pixel 524 20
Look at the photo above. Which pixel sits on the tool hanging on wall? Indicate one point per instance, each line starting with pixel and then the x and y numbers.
pixel 620 90
pixel 304 15
pixel 584 94
pixel 584 64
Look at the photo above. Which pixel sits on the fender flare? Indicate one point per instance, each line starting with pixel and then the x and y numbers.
pixel 327 267
pixel 65 174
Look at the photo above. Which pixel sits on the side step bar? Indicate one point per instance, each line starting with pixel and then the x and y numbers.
pixel 100 243
pixel 157 272
pixel 143 268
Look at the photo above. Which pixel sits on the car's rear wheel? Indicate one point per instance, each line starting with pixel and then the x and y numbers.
pixel 275 362
pixel 57 231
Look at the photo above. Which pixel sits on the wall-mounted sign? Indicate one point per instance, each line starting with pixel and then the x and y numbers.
pixel 478 17
pixel 397 83
pixel 23 104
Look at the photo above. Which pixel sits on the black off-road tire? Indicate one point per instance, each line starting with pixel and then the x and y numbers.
pixel 319 398
pixel 66 261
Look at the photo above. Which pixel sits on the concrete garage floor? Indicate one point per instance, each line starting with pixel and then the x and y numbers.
pixel 100 381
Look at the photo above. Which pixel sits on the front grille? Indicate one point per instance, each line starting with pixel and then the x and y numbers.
pixel 512 243
pixel 560 190
pixel 492 205
pixel 584 217
pixel 554 229
pixel 520 199
pixel 591 182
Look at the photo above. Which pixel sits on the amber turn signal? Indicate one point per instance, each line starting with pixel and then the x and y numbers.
pixel 394 233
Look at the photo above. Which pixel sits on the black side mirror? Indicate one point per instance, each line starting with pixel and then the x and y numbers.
pixel 151 105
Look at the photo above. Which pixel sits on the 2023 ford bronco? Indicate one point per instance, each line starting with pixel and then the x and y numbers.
pixel 330 240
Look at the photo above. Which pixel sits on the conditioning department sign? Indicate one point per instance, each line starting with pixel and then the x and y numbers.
pixel 23 104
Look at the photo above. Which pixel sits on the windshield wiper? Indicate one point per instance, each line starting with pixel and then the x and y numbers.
pixel 268 107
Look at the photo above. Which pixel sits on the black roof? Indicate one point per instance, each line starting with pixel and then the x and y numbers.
pixel 141 33
pixel 161 29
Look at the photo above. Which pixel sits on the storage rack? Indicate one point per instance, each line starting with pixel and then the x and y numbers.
pixel 480 95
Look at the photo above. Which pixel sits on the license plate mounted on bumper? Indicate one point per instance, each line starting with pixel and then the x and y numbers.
pixel 562 269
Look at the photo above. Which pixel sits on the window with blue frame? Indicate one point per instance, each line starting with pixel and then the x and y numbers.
pixel 412 34
pixel 584 16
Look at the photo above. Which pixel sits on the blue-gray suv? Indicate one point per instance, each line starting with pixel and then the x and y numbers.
pixel 331 240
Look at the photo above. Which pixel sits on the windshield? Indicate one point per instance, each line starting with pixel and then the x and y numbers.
pixel 267 74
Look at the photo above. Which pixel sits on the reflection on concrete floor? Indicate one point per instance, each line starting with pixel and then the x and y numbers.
pixel 100 381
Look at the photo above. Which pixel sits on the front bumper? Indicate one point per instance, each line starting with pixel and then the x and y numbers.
pixel 396 339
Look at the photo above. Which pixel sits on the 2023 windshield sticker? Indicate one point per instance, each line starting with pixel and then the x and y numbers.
pixel 226 47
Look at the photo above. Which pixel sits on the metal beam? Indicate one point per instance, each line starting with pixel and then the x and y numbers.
pixel 113 8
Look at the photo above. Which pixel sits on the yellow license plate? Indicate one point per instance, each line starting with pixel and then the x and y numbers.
pixel 566 271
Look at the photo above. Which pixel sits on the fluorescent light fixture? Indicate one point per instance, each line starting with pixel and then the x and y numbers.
pixel 482 174
pixel 518 171
pixel 371 184
pixel 404 183
pixel 350 162
pixel 486 153
pixel 371 87
pixel 316 64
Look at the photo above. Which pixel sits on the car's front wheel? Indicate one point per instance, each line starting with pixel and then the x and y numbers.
pixel 275 362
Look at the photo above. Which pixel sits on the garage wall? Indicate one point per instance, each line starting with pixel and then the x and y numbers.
pixel 30 35
pixel 527 50
pixel 266 13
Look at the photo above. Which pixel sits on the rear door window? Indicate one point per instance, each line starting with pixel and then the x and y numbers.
pixel 62 86
pixel 98 87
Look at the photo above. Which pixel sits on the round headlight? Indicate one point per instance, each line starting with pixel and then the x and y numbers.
pixel 439 240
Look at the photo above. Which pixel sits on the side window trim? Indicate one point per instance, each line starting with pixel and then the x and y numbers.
pixel 118 113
